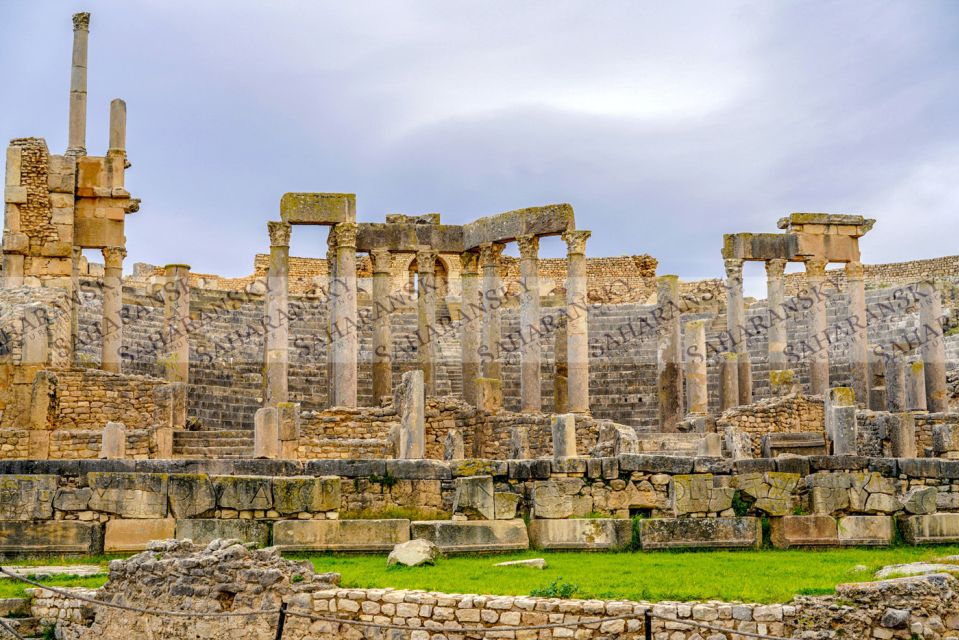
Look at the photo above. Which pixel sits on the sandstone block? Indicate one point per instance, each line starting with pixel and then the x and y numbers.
pixel 133 535
pixel 866 530
pixel 564 436
pixel 51 536
pixel 129 495
pixel 191 495
pixel 935 528
pixel 474 497
pixel 204 531
pixel 505 504
pixel 475 536
pixel 72 499
pixel 698 493
pixel 804 531
pixel 302 494
pixel 340 535
pixel 678 533
pixel 581 533
pixel 550 501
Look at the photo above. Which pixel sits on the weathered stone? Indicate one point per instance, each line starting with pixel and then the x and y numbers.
pixel 243 493
pixel 191 495
pixel 205 531
pixel 51 536
pixel 531 563
pixel 698 493
pixel 945 440
pixel 519 443
pixel 474 497
pixel 803 531
pixel 266 433
pixel 133 535
pixel 413 553
pixel 678 533
pixel 505 504
pixel 920 500
pixel 129 495
pixel 72 499
pixel 564 436
pixel 453 448
pixel 409 400
pixel 866 530
pixel 113 445
pixel 772 491
pixel 473 536
pixel 935 528
pixel 581 533
pixel 27 497
pixel 310 495
pixel 340 535
pixel 549 501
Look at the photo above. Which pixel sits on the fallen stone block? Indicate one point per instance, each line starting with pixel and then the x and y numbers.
pixel 133 535
pixel 581 533
pixel 473 536
pixel 532 563
pixel 804 531
pixel 204 531
pixel 340 535
pixel 932 528
pixel 716 533
pixel 413 553
pixel 866 530
pixel 920 500
pixel 52 536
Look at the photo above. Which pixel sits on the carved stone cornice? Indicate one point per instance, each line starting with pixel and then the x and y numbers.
pixel 816 268
pixel 346 234
pixel 426 260
pixel 734 268
pixel 470 263
pixel 855 271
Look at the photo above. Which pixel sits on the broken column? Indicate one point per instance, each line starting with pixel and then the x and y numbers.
pixel 410 403
pixel 277 316
pixel 529 318
pixel 933 347
pixel 840 420
pixel 564 436
pixel 453 446
pixel 858 342
pixel 519 443
pixel 266 434
pixel 577 322
pixel 895 381
pixel 345 339
pixel 728 381
pixel 426 315
pixel 560 367
pixel 490 385
pixel 697 391
pixel 735 326
pixel 471 324
pixel 916 386
pixel 819 359
pixel 176 320
pixel 113 443
pixel 669 357
pixel 77 132
pixel 382 333
pixel 112 322
pixel 775 309
pixel 288 430
pixel 903 436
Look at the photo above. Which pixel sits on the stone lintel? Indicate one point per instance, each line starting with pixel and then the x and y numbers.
pixel 853 225
pixel 547 220
pixel 318 208
pixel 407 236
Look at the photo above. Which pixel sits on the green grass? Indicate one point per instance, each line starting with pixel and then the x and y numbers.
pixel 10 588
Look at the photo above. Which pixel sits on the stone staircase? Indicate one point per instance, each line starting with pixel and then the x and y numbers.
pixel 213 443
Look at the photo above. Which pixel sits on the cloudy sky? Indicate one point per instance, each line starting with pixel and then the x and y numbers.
pixel 664 124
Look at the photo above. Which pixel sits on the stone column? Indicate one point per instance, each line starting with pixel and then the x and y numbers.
pixel 564 436
pixel 276 358
pixel 345 341
pixel 895 382
pixel 531 352
pixel 735 325
pixel 697 391
pixel 77 136
pixel 471 324
pixel 577 323
pixel 858 344
pixel 266 434
pixel 775 300
pixel 729 381
pixel 112 323
pixel 933 347
pixel 426 315
pixel 382 261
pixel 902 435
pixel 916 387
pixel 840 419
pixel 113 441
pixel 410 405
pixel 493 299
pixel 561 367
pixel 76 300
pixel 176 318
pixel 818 361
pixel 669 356
pixel 331 295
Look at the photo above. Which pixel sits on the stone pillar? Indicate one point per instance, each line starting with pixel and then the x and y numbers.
pixel 561 367
pixel 345 339
pixel 775 301
pixel 111 330
pixel 276 360
pixel 331 296
pixel 410 403
pixel 669 356
pixel 577 322
pixel 471 325
pixel 916 387
pixel 77 135
pixel 493 298
pixel 858 344
pixel 895 382
pixel 266 434
pixel 382 261
pixel 426 315
pixel 735 325
pixel 903 436
pixel 519 443
pixel 933 347
pixel 840 418
pixel 453 447
pixel 697 390
pixel 819 360
pixel 564 436
pixel 531 352
pixel 176 318
pixel 288 429
pixel 113 443
pixel 76 300
pixel 729 381
pixel 116 153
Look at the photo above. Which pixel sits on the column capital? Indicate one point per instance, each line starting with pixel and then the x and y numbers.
pixel 854 271
pixel 81 21
pixel 113 257
pixel 382 260
pixel 528 246
pixel 470 263
pixel 576 240
pixel 489 253
pixel 345 234
pixel 816 268
pixel 775 268
pixel 734 267
pixel 426 260
pixel 279 233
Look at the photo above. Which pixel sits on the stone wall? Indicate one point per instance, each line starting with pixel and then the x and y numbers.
pixel 89 398
pixel 795 413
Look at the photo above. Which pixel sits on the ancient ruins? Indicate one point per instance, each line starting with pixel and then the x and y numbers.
pixel 510 402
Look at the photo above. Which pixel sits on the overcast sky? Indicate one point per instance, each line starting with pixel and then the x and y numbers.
pixel 664 124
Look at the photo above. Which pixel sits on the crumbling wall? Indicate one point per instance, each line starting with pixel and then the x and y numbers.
pixel 795 413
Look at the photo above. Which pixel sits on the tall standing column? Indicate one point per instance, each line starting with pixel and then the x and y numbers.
pixel 819 360
pixel 331 296
pixel 492 301
pixel 735 325
pixel 858 344
pixel 577 323
pixel 531 351
pixel 933 348
pixel 112 323
pixel 669 355
pixel 426 315
pixel 382 333
pixel 561 367
pixel 697 391
pixel 345 343
pixel 176 317
pixel 276 354
pixel 77 135
pixel 470 324
pixel 775 301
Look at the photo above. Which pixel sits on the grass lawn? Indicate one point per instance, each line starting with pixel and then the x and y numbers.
pixel 750 576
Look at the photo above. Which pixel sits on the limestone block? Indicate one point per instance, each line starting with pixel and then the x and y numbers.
pixel 564 436
pixel 772 491
pixel 581 533
pixel 14 162
pixel 829 492
pixel 935 528
pixel 27 497
pixel 550 501
pixel 866 530
pixel 303 494
pixel 133 535
pixel 266 433
pixel 489 394
pixel 474 497
pixel 698 493
pixel 72 499
pixel 804 531
pixel 519 443
pixel 129 495
pixel 902 435
pixel 243 493
pixel 289 420
pixel 114 441
pixel 50 536
pixel 677 533
pixel 340 535
pixel 205 531
pixel 920 500
pixel 945 440
pixel 191 495
pixel 413 553
pixel 473 536
pixel 505 504
pixel 616 439
pixel 164 442
pixel 711 446
pixel 453 448
pixel 318 208
pixel 15 242
pixel 15 195
pixel 410 403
